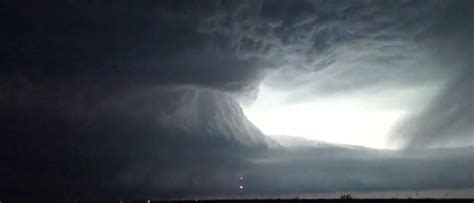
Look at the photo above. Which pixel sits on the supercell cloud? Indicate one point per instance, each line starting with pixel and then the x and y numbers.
pixel 150 98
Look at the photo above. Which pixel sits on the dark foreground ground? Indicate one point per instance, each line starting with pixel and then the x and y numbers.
pixel 329 200
pixel 259 200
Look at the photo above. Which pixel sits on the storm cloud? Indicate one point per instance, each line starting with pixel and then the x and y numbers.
pixel 135 99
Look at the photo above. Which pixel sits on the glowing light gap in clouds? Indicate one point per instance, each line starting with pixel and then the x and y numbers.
pixel 353 120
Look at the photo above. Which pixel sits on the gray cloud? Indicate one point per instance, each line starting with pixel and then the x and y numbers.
pixel 361 48
pixel 447 120
pixel 138 99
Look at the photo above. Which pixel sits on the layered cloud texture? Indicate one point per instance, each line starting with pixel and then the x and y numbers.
pixel 144 99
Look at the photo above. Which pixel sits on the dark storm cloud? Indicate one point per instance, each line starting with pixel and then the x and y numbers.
pixel 90 101
pixel 149 43
pixel 345 168
pixel 305 37
pixel 162 141
pixel 447 120
pixel 135 98
pixel 363 48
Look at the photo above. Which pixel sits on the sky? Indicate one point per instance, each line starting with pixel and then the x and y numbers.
pixel 178 99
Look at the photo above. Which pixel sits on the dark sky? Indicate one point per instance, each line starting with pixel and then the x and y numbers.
pixel 144 98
